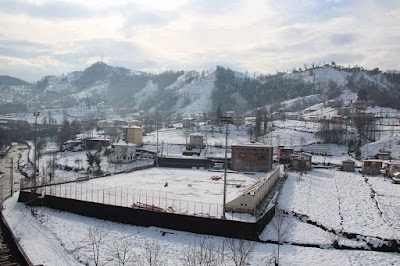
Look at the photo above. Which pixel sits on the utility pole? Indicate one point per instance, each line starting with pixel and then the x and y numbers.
pixel 36 114
pixel 157 137
pixel 226 121
pixel 33 208
pixel 11 176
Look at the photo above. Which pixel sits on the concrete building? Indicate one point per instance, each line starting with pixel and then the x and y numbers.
pixel 302 162
pixel 123 153
pixel 383 155
pixel 137 123
pixel 371 166
pixel 196 140
pixel 348 166
pixel 251 157
pixel 254 195
pixel 284 155
pixel 133 134
pixel 188 122
pixel 239 120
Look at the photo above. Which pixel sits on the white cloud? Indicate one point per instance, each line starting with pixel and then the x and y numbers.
pixel 262 36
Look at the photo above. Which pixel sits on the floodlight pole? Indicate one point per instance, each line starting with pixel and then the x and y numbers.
pixel 157 138
pixel 225 120
pixel 36 114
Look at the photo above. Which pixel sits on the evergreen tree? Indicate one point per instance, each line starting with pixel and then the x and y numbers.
pixel 65 132
pixel 362 94
pixel 257 128
pixel 219 113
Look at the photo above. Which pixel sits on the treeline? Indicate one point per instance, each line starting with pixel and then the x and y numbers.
pixel 375 91
pixel 230 89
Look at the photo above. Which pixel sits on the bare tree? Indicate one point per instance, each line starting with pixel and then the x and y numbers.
pixel 153 255
pixel 239 250
pixel 122 251
pixel 281 227
pixel 203 253
pixel 96 237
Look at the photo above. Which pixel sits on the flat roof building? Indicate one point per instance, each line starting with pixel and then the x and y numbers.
pixel 251 157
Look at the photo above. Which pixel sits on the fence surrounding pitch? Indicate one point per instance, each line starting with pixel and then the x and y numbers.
pixel 153 200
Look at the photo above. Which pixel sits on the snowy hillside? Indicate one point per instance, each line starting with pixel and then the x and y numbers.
pixel 187 93
pixel 195 98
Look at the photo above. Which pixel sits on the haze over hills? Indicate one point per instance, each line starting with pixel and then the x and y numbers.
pixel 196 92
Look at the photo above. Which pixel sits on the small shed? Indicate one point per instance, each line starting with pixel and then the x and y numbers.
pixel 196 140
pixel 348 166
pixel 302 162
pixel 383 155
pixel 371 166
pixel 188 122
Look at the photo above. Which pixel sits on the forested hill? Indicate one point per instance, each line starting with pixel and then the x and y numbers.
pixel 185 93
pixel 240 91
pixel 237 91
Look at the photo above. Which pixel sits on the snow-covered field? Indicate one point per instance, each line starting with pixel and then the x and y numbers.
pixel 183 191
pixel 323 196
pixel 342 201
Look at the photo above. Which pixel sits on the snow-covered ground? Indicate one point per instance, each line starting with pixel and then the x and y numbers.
pixel 54 237
pixel 342 201
pixel 332 200
pixel 183 191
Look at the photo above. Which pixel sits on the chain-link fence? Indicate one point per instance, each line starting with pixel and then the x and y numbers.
pixel 152 200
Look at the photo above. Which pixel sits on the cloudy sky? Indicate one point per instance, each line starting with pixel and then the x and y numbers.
pixel 48 37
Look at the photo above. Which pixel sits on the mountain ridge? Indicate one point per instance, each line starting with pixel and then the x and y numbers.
pixel 184 93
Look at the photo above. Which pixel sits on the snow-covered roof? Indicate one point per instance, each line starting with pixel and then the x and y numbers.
pixel 394 163
pixel 124 144
pixel 132 126
pixel 251 144
pixel 196 134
